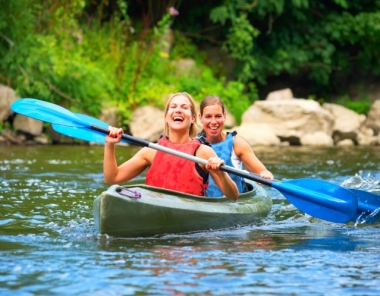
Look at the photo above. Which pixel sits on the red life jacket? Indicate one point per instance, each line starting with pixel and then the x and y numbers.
pixel 175 173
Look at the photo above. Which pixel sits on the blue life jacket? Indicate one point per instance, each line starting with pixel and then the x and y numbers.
pixel 224 151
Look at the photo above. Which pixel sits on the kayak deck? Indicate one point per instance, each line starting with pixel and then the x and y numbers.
pixel 156 211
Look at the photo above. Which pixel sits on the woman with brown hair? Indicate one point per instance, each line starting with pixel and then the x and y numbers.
pixel 234 150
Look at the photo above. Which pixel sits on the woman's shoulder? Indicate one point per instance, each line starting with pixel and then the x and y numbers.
pixel 240 144
pixel 147 153
pixel 205 151
pixel 239 140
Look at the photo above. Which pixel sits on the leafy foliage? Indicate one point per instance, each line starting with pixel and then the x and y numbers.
pixel 85 54
pixel 361 107
pixel 326 42
pixel 83 63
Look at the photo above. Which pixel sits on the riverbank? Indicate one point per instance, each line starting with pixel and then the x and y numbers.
pixel 280 120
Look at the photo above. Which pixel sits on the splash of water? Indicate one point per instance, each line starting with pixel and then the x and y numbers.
pixel 368 183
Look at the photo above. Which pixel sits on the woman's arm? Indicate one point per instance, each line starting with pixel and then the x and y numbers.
pixel 114 174
pixel 222 179
pixel 249 158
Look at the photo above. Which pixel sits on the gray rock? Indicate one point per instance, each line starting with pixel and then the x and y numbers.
pixel 7 97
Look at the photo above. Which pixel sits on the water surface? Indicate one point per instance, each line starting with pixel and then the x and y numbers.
pixel 49 245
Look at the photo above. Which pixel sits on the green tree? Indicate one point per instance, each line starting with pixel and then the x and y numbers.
pixel 323 42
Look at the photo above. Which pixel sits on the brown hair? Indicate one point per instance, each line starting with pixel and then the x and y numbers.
pixel 211 100
pixel 193 127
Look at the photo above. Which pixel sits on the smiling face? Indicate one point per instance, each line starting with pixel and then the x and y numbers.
pixel 212 119
pixel 180 113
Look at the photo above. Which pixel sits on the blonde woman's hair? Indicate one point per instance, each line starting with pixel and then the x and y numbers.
pixel 193 127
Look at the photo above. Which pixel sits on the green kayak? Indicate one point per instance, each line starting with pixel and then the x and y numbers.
pixel 142 210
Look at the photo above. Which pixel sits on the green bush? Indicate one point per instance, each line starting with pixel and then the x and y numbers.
pixel 84 64
pixel 361 107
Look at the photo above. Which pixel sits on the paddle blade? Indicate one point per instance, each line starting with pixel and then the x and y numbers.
pixel 48 112
pixel 81 133
pixel 320 199
pixel 96 133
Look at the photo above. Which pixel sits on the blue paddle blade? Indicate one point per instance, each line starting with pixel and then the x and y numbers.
pixel 87 134
pixel 71 124
pixel 48 112
pixel 81 133
pixel 320 199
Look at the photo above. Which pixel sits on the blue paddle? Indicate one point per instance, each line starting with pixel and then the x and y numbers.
pixel 317 198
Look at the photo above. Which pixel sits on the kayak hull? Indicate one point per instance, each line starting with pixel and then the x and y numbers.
pixel 159 211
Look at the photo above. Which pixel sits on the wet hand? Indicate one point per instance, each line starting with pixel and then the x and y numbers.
pixel 214 163
pixel 114 134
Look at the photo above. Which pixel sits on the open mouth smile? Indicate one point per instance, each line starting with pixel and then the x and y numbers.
pixel 177 119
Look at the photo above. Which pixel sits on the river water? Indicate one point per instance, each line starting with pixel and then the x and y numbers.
pixel 49 244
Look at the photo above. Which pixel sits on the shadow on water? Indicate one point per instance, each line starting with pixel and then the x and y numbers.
pixel 306 237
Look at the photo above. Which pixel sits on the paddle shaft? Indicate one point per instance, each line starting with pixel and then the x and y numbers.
pixel 312 196
pixel 245 174
pixel 145 143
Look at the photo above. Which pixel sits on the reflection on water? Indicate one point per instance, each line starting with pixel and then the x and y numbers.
pixel 49 244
